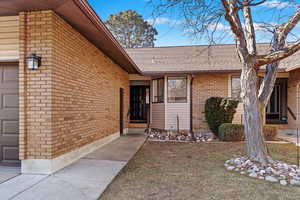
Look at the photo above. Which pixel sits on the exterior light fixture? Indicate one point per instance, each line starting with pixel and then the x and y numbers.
pixel 33 62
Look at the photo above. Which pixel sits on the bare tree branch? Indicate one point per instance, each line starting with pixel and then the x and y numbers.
pixel 267 85
pixel 250 3
pixel 233 18
pixel 250 32
pixel 280 35
pixel 282 32
pixel 287 27
pixel 277 55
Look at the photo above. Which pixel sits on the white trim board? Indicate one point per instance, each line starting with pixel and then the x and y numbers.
pixel 49 166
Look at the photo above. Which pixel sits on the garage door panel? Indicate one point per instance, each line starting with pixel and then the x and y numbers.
pixel 10 101
pixel 9 153
pixel 10 74
pixel 9 114
pixel 10 128
pixel 9 88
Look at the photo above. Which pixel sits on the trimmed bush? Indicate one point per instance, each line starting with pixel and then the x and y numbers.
pixel 270 132
pixel 235 132
pixel 218 111
pixel 231 132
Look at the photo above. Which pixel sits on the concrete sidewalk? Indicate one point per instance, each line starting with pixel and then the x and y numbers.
pixel 8 172
pixel 84 180
pixel 289 137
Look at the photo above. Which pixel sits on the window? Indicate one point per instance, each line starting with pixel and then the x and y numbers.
pixel 158 90
pixel 235 87
pixel 177 89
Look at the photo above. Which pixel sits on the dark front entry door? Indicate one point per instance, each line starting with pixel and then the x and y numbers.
pixel 139 103
pixel 276 111
pixel 9 114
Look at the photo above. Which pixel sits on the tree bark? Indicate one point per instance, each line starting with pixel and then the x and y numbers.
pixel 255 101
pixel 255 144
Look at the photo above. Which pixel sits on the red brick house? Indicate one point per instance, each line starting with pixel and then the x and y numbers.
pixel 88 90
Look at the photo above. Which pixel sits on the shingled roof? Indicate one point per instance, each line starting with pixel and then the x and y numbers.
pixel 196 59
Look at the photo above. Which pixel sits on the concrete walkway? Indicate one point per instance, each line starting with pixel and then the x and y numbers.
pixel 9 172
pixel 289 138
pixel 84 180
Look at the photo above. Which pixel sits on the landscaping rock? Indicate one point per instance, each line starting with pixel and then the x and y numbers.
pixel 237 161
pixel 230 168
pixel 275 171
pixel 261 177
pixel 227 161
pixel 248 162
pixel 283 182
pixel 270 170
pixel 271 179
pixel 294 182
pixel 262 172
pixel 297 178
pixel 253 175
pixel 255 168
pixel 283 177
pixel 182 136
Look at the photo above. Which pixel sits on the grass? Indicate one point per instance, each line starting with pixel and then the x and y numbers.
pixel 181 171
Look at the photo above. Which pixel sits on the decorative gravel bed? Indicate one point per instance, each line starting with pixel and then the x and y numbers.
pixel 276 171
pixel 181 136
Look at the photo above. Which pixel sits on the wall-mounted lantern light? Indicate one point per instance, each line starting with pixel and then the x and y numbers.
pixel 33 62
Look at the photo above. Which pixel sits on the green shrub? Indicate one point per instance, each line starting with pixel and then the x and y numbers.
pixel 235 132
pixel 218 111
pixel 270 132
pixel 231 132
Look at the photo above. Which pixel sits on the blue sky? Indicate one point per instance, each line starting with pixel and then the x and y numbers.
pixel 171 33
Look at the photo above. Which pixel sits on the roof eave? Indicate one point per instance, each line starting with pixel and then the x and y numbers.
pixel 81 16
pixel 95 19
pixel 156 73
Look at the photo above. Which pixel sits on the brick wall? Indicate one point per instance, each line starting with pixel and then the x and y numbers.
pixel 35 87
pixel 73 99
pixel 205 86
pixel 294 98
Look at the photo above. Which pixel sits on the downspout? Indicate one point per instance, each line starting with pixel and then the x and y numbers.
pixel 298 101
pixel 191 109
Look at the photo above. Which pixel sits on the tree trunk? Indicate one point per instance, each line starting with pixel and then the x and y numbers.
pixel 255 145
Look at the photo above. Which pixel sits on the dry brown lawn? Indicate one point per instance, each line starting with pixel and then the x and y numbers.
pixel 182 171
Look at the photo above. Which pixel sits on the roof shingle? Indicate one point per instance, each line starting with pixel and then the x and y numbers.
pixel 195 59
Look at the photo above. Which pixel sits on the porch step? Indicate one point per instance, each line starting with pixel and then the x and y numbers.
pixel 137 125
pixel 136 131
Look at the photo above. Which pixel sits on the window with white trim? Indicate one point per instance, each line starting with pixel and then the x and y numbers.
pixel 177 89
pixel 158 90
pixel 236 87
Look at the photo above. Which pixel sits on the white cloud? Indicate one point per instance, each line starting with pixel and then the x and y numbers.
pixel 224 27
pixel 260 27
pixel 217 27
pixel 162 20
pixel 276 4
pixel 220 27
